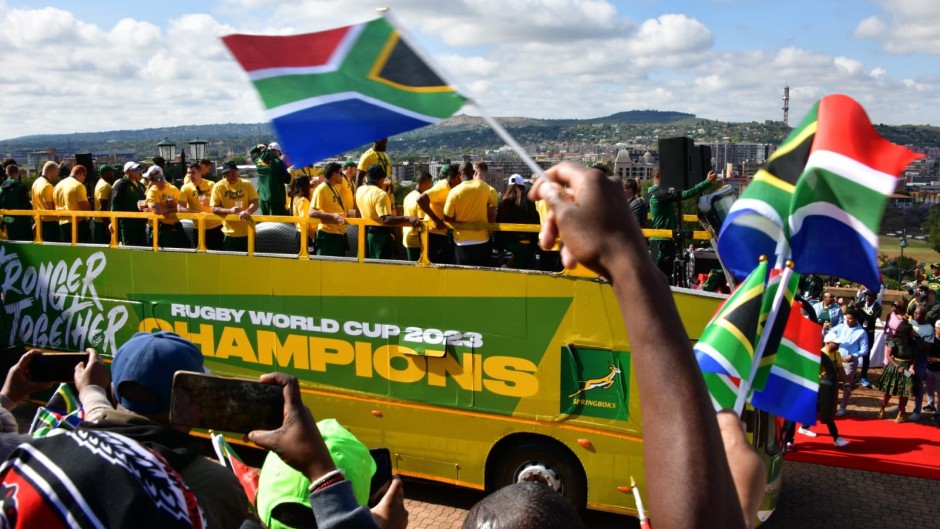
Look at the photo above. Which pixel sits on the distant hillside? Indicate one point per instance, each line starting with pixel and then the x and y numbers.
pixel 459 135
pixel 647 117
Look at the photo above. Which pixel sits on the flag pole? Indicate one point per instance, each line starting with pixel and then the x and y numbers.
pixel 745 386
pixel 493 124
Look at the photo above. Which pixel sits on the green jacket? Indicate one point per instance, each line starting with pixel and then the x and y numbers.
pixel 272 176
pixel 662 208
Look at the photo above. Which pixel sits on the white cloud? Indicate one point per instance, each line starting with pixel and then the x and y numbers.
pixel 538 58
pixel 906 26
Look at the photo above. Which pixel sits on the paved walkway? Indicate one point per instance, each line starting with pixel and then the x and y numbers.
pixel 813 496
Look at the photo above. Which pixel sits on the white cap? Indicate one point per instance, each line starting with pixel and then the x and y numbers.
pixel 275 146
pixel 131 166
pixel 154 173
pixel 517 180
pixel 831 337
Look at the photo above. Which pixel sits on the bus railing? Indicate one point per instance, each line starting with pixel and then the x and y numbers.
pixel 199 228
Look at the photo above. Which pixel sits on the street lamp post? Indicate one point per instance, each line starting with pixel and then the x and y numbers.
pixel 167 150
pixel 197 148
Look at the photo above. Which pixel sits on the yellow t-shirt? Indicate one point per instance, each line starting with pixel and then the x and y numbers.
pixel 411 238
pixel 301 208
pixel 348 193
pixel 438 197
pixel 42 191
pixel 373 202
pixel 469 202
pixel 372 157
pixel 190 196
pixel 328 199
pixel 67 195
pixel 102 192
pixel 163 197
pixel 224 195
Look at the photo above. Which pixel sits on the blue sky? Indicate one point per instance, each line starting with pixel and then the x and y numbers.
pixel 80 66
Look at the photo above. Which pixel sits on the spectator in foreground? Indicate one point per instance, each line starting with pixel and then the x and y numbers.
pixel 142 372
pixel 727 485
pixel 526 505
pixel 299 444
pixel 90 478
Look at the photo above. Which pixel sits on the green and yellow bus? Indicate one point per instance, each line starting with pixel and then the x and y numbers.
pixel 473 377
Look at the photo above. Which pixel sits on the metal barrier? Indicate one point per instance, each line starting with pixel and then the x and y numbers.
pixel 199 228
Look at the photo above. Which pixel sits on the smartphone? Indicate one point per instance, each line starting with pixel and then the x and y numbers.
pixel 201 400
pixel 383 472
pixel 55 367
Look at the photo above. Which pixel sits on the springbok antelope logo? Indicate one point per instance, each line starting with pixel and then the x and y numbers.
pixel 603 382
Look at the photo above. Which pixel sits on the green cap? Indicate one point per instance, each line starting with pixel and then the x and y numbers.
pixel 104 167
pixel 280 484
pixel 350 163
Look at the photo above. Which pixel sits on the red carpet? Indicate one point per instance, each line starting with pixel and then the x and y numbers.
pixel 909 449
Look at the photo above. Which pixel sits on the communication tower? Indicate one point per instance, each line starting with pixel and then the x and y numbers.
pixel 786 104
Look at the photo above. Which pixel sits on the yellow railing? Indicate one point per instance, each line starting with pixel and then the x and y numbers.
pixel 199 227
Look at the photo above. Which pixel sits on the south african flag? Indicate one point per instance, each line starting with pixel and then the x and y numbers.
pixel 335 90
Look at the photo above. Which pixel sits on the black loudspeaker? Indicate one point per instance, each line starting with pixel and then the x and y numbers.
pixel 86 160
pixel 91 178
pixel 701 165
pixel 675 162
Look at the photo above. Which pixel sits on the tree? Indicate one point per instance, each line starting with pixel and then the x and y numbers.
pixel 933 227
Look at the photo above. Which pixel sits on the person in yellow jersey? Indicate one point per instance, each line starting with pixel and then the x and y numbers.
pixel 375 205
pixel 330 206
pixel 350 168
pixel 194 198
pixel 234 196
pixel 163 198
pixel 41 194
pixel 471 202
pixel 549 260
pixel 375 155
pixel 100 233
pixel 300 207
pixel 411 237
pixel 70 195
pixel 440 245
pixel 481 173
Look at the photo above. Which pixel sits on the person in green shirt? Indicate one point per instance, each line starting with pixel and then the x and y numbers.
pixel 663 212
pixel 128 194
pixel 272 177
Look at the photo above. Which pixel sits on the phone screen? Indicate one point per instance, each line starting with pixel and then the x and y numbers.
pixel 55 367
pixel 228 404
pixel 383 471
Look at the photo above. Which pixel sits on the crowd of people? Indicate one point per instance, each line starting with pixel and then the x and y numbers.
pixel 701 471
pixel 911 348
pixel 458 194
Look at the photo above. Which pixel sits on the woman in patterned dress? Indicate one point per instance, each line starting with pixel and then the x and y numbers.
pixel 898 377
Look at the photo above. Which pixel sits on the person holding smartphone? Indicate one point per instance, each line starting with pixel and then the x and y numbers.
pixel 298 443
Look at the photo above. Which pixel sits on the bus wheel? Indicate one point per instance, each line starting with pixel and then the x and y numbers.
pixel 544 462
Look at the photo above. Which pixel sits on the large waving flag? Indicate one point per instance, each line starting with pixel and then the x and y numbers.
pixel 332 91
pixel 839 201
pixel 793 381
pixel 726 346
pixel 757 223
pixel 820 197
